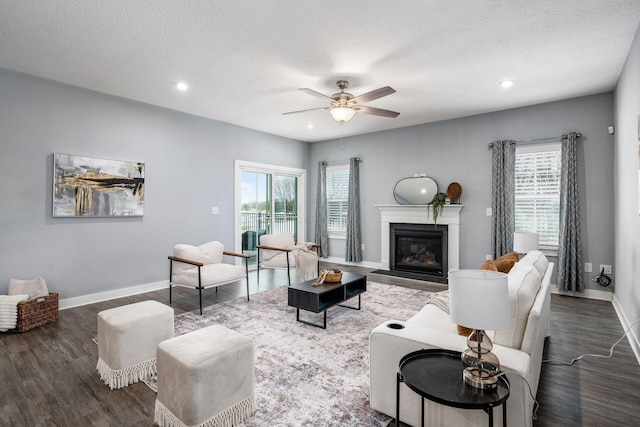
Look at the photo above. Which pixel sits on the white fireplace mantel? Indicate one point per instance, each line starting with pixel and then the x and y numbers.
pixel 421 214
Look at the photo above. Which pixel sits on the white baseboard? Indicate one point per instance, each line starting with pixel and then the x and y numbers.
pixel 108 295
pixel 633 339
pixel 588 293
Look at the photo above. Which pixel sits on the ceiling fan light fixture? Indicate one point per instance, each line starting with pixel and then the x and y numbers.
pixel 342 114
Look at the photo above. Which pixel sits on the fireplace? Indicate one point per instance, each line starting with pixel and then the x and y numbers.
pixel 449 219
pixel 420 249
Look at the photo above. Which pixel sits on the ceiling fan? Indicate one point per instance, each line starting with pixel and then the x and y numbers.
pixel 343 106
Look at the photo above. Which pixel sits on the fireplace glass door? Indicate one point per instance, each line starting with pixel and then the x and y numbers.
pixel 419 248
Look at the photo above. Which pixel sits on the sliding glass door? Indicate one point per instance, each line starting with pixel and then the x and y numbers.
pixel 269 204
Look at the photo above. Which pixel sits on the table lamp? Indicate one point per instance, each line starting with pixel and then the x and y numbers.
pixel 524 241
pixel 479 299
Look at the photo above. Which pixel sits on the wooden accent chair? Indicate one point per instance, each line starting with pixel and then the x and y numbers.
pixel 201 267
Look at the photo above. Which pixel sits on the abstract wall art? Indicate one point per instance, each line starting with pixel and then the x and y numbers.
pixel 92 187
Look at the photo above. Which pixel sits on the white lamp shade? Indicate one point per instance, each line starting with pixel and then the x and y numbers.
pixel 342 114
pixel 524 242
pixel 479 299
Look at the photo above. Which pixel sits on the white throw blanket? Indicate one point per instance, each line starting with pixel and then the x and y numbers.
pixel 307 261
pixel 9 311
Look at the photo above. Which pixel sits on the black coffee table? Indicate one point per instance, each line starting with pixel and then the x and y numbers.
pixel 305 296
pixel 437 375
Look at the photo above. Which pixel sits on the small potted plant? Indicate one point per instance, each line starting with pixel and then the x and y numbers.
pixel 436 204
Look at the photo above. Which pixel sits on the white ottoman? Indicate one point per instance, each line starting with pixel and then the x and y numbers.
pixel 128 338
pixel 205 378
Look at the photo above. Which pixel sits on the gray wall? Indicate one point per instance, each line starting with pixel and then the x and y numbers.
pixel 456 150
pixel 189 168
pixel 627 203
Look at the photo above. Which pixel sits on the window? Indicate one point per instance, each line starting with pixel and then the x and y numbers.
pixel 337 198
pixel 538 191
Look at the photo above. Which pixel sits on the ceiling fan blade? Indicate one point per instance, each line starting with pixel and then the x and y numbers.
pixel 377 111
pixel 314 93
pixel 303 111
pixel 374 94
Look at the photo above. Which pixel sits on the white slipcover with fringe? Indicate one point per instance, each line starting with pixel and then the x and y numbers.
pixel 128 337
pixel 205 378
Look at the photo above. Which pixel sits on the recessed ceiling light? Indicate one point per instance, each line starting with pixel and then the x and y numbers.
pixel 182 86
pixel 506 83
pixel 310 126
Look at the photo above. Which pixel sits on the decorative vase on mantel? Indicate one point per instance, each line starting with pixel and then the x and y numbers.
pixel 436 205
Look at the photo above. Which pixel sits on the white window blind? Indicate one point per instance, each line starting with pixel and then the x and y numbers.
pixel 337 198
pixel 537 191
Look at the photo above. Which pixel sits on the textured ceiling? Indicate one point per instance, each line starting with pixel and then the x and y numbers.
pixel 245 59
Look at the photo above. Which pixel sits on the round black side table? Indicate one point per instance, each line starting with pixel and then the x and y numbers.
pixel 437 375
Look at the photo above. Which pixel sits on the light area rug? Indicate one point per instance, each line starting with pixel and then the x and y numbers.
pixel 308 376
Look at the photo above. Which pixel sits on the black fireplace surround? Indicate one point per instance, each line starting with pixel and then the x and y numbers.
pixel 419 250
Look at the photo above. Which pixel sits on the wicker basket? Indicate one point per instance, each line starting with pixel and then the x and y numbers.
pixel 334 277
pixel 36 312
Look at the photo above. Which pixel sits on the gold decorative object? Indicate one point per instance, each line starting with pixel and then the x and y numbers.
pixel 328 276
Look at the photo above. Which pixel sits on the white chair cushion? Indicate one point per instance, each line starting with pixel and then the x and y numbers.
pixel 279 260
pixel 212 275
pixel 524 283
pixel 284 241
pixel 207 253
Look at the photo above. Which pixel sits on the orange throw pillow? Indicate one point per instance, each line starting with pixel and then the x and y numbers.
pixel 506 262
pixel 488 265
pixel 465 332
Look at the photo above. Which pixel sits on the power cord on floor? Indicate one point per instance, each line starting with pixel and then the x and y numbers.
pixel 536 405
pixel 606 356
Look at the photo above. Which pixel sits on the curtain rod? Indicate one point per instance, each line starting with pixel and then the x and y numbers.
pixel 532 141
pixel 339 162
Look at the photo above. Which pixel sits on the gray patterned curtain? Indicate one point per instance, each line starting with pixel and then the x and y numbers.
pixel 569 246
pixel 354 251
pixel 322 233
pixel 503 201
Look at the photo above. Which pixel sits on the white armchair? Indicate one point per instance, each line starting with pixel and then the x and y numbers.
pixel 201 267
pixel 280 251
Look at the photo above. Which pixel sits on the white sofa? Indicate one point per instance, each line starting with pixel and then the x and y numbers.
pixel 519 349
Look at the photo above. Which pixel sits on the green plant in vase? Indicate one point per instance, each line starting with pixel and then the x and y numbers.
pixel 437 204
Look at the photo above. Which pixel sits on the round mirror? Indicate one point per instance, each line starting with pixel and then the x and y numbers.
pixel 415 191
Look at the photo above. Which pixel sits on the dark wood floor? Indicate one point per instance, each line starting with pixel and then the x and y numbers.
pixel 48 375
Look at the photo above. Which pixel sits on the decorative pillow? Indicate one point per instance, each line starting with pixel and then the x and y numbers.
pixel 488 265
pixel 537 259
pixel 35 288
pixel 208 253
pixel 465 332
pixel 506 262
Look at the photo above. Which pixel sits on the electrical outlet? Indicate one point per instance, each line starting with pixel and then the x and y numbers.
pixel 487 256
pixel 215 210
pixel 606 268
pixel 588 267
